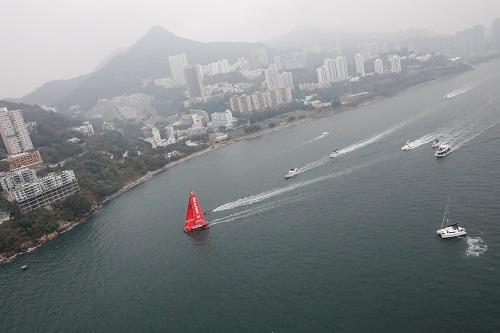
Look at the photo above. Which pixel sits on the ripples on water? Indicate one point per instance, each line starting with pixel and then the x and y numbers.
pixel 475 247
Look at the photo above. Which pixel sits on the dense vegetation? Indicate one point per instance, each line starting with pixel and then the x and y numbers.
pixel 20 233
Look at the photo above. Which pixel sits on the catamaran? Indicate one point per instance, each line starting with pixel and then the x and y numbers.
pixel 452 230
pixel 194 215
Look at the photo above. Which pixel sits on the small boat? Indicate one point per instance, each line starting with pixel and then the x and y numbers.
pixel 291 173
pixel 335 154
pixel 435 144
pixel 24 267
pixel 406 146
pixel 452 230
pixel 194 215
pixel 325 133
pixel 443 151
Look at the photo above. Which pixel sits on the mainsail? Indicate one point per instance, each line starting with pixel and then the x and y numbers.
pixel 194 214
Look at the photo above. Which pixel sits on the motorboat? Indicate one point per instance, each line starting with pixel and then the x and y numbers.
pixel 452 230
pixel 443 151
pixel 435 144
pixel 24 267
pixel 335 154
pixel 325 133
pixel 407 146
pixel 291 173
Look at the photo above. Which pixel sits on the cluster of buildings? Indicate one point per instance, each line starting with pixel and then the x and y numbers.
pixel 261 100
pixel 20 184
pixel 337 70
pixel 277 80
pixel 200 121
pixel 86 129
pixel 215 68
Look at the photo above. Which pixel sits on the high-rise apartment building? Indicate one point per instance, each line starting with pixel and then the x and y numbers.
pixel 194 81
pixel 14 133
pixel 496 33
pixel 341 68
pixel 359 61
pixel 178 63
pixel 378 64
pixel 395 61
pixel 259 58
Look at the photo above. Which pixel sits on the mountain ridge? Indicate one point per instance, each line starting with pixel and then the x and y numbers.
pixel 146 59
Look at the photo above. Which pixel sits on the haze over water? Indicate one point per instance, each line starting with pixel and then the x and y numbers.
pixel 348 245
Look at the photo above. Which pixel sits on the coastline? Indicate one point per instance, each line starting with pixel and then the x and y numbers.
pixel 308 116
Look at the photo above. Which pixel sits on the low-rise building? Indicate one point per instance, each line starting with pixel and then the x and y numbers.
pixel 17 161
pixel 40 192
pixel 222 119
pixel 86 129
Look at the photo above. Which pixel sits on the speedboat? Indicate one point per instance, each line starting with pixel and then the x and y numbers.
pixel 335 154
pixel 406 146
pixel 291 173
pixel 325 133
pixel 442 151
pixel 452 230
pixel 435 144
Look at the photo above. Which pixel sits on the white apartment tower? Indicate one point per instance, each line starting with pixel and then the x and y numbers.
pixel 395 63
pixel 359 60
pixel 178 63
pixel 14 133
pixel 272 77
pixel 341 68
pixel 379 66
pixel 331 73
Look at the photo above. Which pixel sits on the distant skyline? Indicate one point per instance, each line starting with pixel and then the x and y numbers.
pixel 57 39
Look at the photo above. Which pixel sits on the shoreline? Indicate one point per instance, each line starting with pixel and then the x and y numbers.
pixel 308 116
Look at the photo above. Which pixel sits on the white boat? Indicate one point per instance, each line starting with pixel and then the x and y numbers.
pixel 436 143
pixel 452 230
pixel 406 146
pixel 443 150
pixel 291 173
pixel 335 154
pixel 325 133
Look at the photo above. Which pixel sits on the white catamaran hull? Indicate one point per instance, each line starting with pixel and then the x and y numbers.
pixel 443 233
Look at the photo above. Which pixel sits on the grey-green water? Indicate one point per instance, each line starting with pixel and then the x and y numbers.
pixel 348 245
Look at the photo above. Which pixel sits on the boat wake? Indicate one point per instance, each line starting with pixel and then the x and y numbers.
pixel 475 247
pixel 275 192
pixel 459 91
pixel 256 210
pixel 472 132
pixel 439 134
pixel 319 137
pixel 354 146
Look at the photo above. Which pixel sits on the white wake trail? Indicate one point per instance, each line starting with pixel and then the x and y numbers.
pixel 256 210
pixel 356 146
pixel 275 192
pixel 475 247
pixel 319 137
pixel 460 91
pixel 442 134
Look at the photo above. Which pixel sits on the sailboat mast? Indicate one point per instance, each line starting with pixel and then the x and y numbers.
pixel 445 211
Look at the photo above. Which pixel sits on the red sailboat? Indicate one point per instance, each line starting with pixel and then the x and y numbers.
pixel 194 215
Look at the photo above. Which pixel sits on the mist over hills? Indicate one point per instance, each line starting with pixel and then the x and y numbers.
pixel 304 36
pixel 123 74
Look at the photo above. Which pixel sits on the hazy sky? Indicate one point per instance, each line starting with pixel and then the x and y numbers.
pixel 43 40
